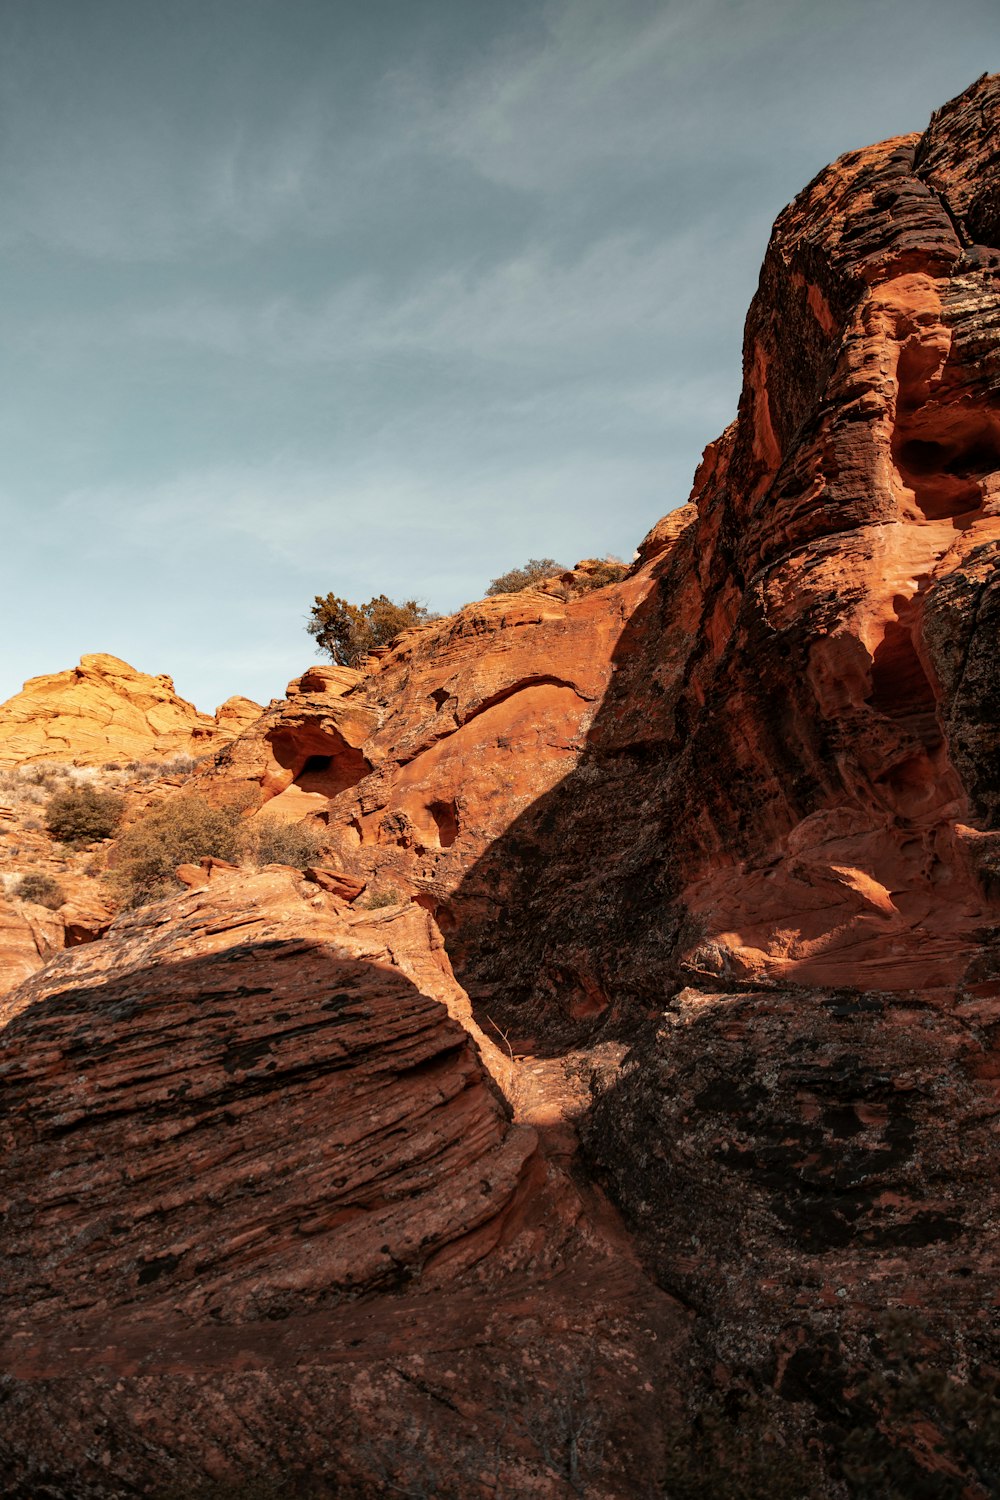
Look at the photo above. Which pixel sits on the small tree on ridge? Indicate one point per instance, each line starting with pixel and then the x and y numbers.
pixel 347 632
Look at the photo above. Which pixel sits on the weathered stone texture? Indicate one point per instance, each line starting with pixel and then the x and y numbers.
pixel 104 710
pixel 737 813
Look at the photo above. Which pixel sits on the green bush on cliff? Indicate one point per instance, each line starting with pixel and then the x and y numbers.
pixel 533 571
pixel 604 571
pixel 180 831
pixel 387 896
pixel 82 814
pixel 347 632
pixel 265 841
pixel 186 829
pixel 42 890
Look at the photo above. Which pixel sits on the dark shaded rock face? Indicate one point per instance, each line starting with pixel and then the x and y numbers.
pixel 267 1213
pixel 779 855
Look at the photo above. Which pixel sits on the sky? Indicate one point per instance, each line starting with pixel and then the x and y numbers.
pixel 387 296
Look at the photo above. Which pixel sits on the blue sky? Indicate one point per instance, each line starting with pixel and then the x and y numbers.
pixel 389 295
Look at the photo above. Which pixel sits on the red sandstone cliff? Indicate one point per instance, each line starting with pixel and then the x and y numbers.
pixel 738 811
pixel 792 774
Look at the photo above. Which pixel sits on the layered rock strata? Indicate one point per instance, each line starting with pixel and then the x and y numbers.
pixel 415 767
pixel 740 809
pixel 775 837
pixel 105 710
pixel 781 845
pixel 792 773
pixel 224 1130
pixel 330 1033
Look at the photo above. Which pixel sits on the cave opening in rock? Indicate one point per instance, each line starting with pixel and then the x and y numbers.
pixel 319 759
pixel 445 815
pixel 316 763
pixel 943 453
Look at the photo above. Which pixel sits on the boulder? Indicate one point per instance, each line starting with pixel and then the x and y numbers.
pixel 253 1147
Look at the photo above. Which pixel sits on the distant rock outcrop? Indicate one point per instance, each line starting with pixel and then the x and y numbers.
pixel 418 765
pixel 105 710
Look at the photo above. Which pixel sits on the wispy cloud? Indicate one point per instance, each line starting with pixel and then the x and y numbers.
pixel 533 307
pixel 298 299
pixel 539 112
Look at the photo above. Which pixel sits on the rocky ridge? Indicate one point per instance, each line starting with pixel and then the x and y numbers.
pixel 735 815
pixel 104 710
pixel 237 1135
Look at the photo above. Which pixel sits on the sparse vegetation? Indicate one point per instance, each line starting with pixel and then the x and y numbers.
pixel 42 775
pixel 40 889
pixel 186 828
pixel 265 841
pixel 347 632
pixel 180 831
pixel 83 814
pixel 384 897
pixel 604 571
pixel 175 765
pixel 533 571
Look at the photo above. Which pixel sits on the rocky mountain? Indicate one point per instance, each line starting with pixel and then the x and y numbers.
pixel 643 1142
pixel 104 710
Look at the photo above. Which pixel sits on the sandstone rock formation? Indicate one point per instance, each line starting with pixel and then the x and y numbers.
pixel 792 775
pixel 104 710
pixel 29 936
pixel 736 815
pixel 225 1129
pixel 418 765
pixel 780 846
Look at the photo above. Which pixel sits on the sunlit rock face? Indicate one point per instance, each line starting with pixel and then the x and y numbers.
pixel 792 775
pixel 103 710
pixel 267 1211
pixel 416 765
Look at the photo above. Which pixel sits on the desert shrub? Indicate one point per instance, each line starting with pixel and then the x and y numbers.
pixel 265 841
pixel 43 775
pixel 347 632
pixel 179 831
pixel 41 889
pixel 81 814
pixel 535 569
pixel 606 570
pixel 385 897
pixel 177 765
